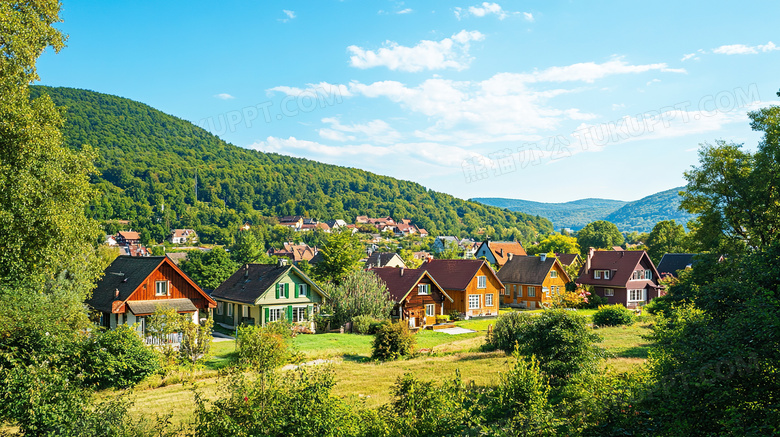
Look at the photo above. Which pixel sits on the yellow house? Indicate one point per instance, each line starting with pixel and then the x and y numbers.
pixel 532 281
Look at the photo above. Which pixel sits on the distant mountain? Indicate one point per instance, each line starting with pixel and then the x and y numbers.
pixel 573 215
pixel 640 215
pixel 162 172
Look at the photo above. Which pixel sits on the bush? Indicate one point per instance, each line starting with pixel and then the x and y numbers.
pixel 454 315
pixel 595 301
pixel 392 341
pixel 613 315
pixel 658 305
pixel 117 358
pixel 442 319
pixel 362 324
pixel 504 335
pixel 261 348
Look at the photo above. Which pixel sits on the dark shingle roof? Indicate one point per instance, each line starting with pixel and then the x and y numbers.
pixel 246 287
pixel 526 270
pixel 453 274
pixel 672 262
pixel 567 258
pixel 125 274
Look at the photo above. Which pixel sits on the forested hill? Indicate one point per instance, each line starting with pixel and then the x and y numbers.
pixel 640 215
pixel 148 161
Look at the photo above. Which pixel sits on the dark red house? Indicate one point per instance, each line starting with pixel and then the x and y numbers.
pixel 627 277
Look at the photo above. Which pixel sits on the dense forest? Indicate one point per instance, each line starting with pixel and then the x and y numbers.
pixel 149 161
pixel 641 215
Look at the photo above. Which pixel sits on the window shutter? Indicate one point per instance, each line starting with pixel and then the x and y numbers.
pixel 308 290
pixel 289 313
pixel 287 291
pixel 267 315
pixel 278 287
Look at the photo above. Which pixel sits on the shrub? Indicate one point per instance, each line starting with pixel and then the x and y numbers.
pixel 595 301
pixel 442 319
pixel 454 315
pixel 375 325
pixel 117 358
pixel 392 341
pixel 505 333
pixel 613 315
pixel 260 348
pixel 362 324
pixel 360 293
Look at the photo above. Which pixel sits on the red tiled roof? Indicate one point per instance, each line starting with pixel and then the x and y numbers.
pixel 400 281
pixel 622 263
pixel 455 274
pixel 502 249
pixel 129 235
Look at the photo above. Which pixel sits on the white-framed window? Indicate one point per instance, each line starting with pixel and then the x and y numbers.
pixel 648 274
pixel 220 308
pixel 275 314
pixel 244 310
pixel 553 274
pixel 519 289
pixel 531 291
pixel 607 274
pixel 597 274
pixel 637 295
pixel 473 301
pixel 299 314
pixel 609 292
pixel 546 291
pixel 481 281
pixel 302 290
pixel 430 310
pixel 489 300
pixel 160 288
pixel 423 288
pixel 230 310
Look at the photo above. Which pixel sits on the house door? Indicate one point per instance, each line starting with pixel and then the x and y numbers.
pixel 412 321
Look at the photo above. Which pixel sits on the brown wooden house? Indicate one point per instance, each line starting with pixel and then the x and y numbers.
pixel 499 252
pixel 627 277
pixel 471 283
pixel 417 296
pixel 132 288
pixel 533 281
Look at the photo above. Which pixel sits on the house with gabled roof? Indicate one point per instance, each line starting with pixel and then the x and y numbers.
pixel 472 284
pixel 533 281
pixel 127 238
pixel 417 296
pixel 133 288
pixel 627 277
pixel 384 259
pixel 257 294
pixel 499 252
pixel 182 236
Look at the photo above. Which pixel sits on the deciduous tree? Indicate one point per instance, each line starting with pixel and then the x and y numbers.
pixel 600 234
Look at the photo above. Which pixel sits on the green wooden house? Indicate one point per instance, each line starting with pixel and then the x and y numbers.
pixel 261 293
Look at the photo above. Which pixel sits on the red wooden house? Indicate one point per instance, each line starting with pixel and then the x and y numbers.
pixel 134 287
pixel 627 277
pixel 472 283
pixel 418 297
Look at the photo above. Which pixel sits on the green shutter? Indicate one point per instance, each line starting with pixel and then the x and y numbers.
pixel 289 313
pixel 278 286
pixel 287 291
pixel 267 316
pixel 308 290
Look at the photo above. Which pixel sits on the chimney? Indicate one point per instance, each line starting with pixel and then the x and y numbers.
pixel 510 255
pixel 402 271
pixel 587 260
pixel 543 257
pixel 246 270
pixel 501 251
pixel 116 293
pixel 282 262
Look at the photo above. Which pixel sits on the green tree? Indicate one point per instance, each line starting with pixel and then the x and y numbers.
pixel 599 234
pixel 450 251
pixel 360 293
pixel 555 243
pixel 246 249
pixel 666 237
pixel 340 256
pixel 209 269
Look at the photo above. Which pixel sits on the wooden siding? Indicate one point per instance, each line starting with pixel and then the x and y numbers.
pixel 178 287
pixel 414 304
pixel 518 292
pixel 461 297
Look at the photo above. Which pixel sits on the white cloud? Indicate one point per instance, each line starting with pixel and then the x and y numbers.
pixel 590 71
pixel 528 16
pixel 741 49
pixel 653 81
pixel 323 89
pixel 405 11
pixel 426 55
pixel 375 131
pixel 689 56
pixel 224 96
pixel 289 14
pixel 488 8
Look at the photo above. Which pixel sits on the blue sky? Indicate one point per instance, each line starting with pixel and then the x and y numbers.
pixel 545 101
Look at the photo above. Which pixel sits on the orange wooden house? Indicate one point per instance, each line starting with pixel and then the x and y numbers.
pixel 418 297
pixel 132 288
pixel 532 281
pixel 471 283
